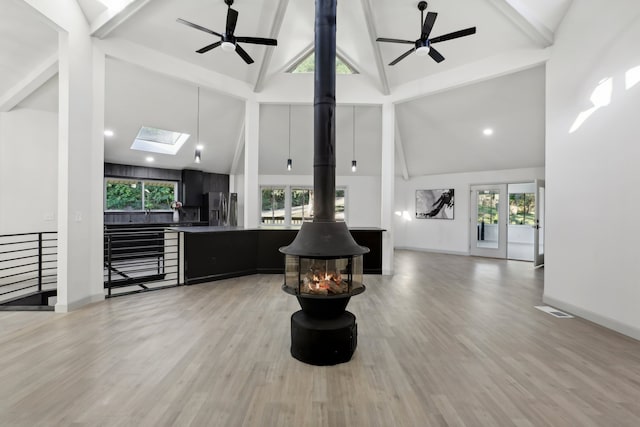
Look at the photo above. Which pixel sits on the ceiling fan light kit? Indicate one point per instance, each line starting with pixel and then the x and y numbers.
pixel 228 40
pixel 423 51
pixel 422 46
pixel 228 46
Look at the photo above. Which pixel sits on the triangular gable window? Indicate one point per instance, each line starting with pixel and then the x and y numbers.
pixel 308 65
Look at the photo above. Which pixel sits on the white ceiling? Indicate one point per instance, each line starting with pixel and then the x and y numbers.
pixel 25 42
pixel 274 139
pixel 439 131
pixel 445 130
pixel 136 97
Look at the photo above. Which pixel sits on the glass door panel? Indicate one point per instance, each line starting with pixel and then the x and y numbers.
pixel 538 235
pixel 487 202
pixel 488 231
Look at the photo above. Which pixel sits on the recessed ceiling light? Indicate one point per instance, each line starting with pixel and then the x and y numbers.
pixel 488 131
pixel 108 133
pixel 149 159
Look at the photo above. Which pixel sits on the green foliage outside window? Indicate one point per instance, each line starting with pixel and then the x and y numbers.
pixel 301 205
pixel 488 204
pixel 158 196
pixel 272 206
pixel 522 208
pixel 134 195
pixel 124 195
pixel 309 66
pixel 274 210
pixel 340 205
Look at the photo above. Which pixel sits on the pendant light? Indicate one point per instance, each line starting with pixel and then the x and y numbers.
pixel 198 156
pixel 289 161
pixel 353 162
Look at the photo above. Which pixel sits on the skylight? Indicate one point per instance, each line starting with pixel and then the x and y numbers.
pixel 308 65
pixel 114 5
pixel 159 141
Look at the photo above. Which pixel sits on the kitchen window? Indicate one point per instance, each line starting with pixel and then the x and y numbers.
pixel 139 195
pixel 301 205
pixel 273 210
pixel 292 205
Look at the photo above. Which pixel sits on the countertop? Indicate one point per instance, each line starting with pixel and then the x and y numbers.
pixel 182 224
pixel 219 229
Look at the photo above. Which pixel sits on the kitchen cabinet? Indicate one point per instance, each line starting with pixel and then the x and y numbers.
pixel 214 253
pixel 192 181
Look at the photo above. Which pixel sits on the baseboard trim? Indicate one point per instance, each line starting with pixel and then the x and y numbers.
pixel 607 322
pixel 65 308
pixel 435 251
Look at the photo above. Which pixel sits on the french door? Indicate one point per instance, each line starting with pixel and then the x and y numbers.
pixel 488 222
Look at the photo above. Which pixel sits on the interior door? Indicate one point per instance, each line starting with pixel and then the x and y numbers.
pixel 488 222
pixel 538 232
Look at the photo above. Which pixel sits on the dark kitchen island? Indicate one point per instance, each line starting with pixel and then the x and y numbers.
pixel 214 253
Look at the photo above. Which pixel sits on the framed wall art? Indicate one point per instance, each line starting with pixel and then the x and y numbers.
pixel 435 204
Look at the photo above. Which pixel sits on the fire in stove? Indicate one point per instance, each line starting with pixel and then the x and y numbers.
pixel 324 277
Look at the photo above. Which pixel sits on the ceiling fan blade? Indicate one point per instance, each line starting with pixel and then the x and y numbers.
pixel 198 27
pixel 243 54
pixel 258 40
pixel 428 25
pixel 386 40
pixel 401 57
pixel 435 55
pixel 232 19
pixel 209 47
pixel 454 35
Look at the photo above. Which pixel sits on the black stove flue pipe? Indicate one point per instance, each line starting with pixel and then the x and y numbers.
pixel 324 132
pixel 324 237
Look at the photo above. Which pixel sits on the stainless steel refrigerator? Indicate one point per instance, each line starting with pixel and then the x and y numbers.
pixel 221 208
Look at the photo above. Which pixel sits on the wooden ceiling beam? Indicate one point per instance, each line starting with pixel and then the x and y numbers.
pixel 268 53
pixel 173 67
pixel 110 19
pixel 521 17
pixel 29 84
pixel 475 72
pixel 373 34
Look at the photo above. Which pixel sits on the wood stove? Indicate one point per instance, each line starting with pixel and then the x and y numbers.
pixel 323 265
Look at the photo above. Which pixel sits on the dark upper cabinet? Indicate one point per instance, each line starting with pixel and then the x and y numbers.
pixel 215 182
pixel 192 182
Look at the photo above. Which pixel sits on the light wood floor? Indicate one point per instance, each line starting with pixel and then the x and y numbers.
pixel 447 341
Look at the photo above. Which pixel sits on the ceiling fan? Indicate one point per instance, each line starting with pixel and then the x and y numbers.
pixel 229 41
pixel 422 46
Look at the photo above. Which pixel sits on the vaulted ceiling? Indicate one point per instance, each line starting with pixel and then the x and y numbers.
pixel 494 78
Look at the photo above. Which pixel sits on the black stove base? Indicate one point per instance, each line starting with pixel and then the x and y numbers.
pixel 323 342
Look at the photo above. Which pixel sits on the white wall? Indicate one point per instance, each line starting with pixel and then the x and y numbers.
pixel 236 185
pixel 591 251
pixel 449 236
pixel 363 195
pixel 28 171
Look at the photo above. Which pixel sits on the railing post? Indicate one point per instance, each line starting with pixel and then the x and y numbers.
pixel 178 257
pixel 39 262
pixel 109 265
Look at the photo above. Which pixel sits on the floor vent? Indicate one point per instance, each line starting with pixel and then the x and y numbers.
pixel 554 312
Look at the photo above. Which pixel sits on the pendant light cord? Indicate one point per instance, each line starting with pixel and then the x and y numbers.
pixel 354 132
pixel 289 130
pixel 198 119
